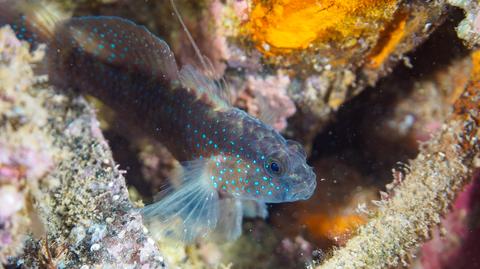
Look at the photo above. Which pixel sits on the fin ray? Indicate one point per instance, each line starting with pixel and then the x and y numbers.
pixel 189 36
pixel 190 221
pixel 267 114
pixel 189 211
pixel 218 90
pixel 191 78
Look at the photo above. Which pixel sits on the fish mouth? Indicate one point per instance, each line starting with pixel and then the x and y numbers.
pixel 305 192
pixel 304 189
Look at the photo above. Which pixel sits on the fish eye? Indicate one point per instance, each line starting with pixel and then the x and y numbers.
pixel 274 166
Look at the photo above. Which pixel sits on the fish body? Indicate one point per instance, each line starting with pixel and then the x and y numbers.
pixel 228 157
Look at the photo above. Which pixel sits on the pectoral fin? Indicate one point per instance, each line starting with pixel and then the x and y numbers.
pixel 189 211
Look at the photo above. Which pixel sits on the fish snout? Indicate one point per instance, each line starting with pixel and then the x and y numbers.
pixel 303 186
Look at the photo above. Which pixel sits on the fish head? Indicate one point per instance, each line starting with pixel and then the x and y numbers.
pixel 278 172
pixel 257 163
pixel 287 166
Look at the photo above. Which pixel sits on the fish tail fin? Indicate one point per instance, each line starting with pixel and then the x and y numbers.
pixel 189 211
pixel 33 21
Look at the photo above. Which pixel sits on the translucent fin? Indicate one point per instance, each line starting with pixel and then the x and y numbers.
pixel 223 87
pixel 217 90
pixel 34 21
pixel 201 58
pixel 188 212
pixel 205 87
pixel 266 115
pixel 230 222
pixel 125 44
pixel 254 209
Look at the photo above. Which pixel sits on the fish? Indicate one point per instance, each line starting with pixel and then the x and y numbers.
pixel 231 163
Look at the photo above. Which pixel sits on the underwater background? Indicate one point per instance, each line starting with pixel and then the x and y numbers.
pixel 383 96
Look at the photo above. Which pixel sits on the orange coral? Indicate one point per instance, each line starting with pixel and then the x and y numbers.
pixel 392 35
pixel 467 105
pixel 337 227
pixel 476 65
pixel 284 25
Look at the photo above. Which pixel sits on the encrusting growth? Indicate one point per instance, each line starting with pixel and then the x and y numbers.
pixel 439 172
pixel 72 190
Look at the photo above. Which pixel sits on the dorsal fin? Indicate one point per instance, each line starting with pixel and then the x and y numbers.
pixel 123 43
pixel 266 114
pixel 201 58
pixel 191 78
pixel 217 90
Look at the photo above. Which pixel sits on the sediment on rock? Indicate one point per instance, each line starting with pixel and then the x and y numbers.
pixel 77 205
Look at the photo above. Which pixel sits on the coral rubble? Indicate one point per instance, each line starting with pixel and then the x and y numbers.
pixel 469 28
pixel 24 156
pixel 57 172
